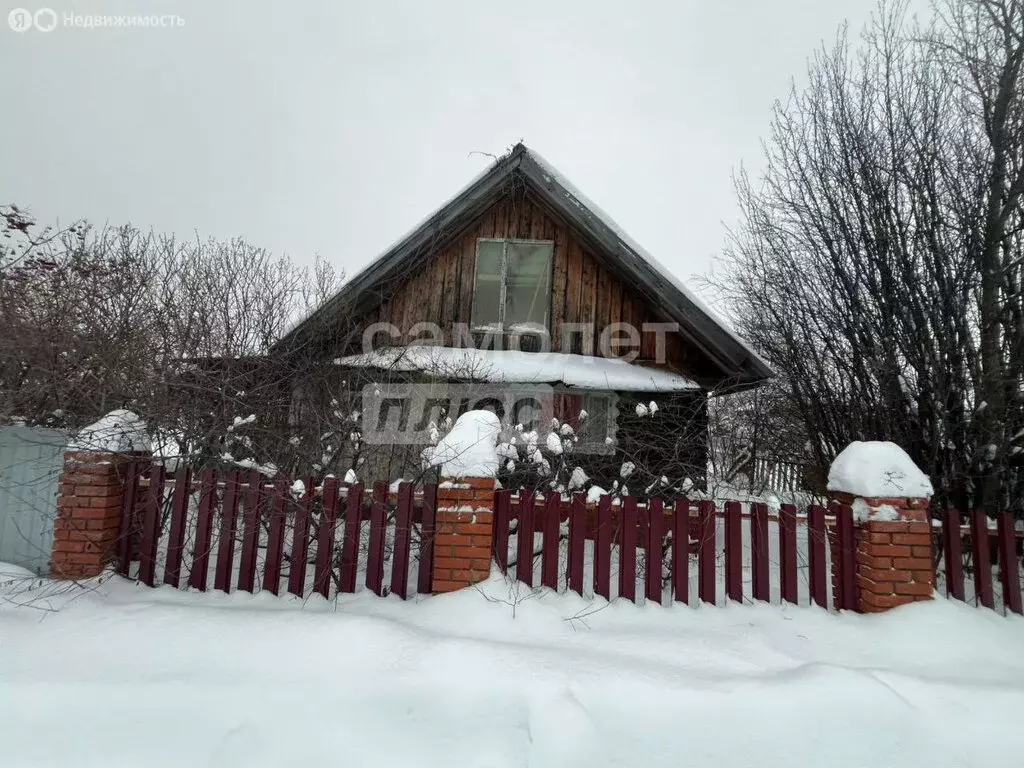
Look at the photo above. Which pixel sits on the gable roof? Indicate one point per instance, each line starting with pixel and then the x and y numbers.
pixel 697 324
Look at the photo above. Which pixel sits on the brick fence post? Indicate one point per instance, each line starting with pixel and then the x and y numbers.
pixel 90 495
pixel 894 555
pixel 463 536
pixel 889 496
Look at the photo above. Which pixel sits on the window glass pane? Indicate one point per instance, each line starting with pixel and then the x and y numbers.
pixel 595 427
pixel 527 286
pixel 487 286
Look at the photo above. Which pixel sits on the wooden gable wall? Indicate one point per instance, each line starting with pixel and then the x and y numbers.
pixel 584 289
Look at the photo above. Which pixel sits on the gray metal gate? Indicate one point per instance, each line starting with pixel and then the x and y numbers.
pixel 30 464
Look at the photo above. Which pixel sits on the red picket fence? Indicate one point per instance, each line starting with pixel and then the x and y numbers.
pixel 965 543
pixel 234 530
pixel 277 533
pixel 668 536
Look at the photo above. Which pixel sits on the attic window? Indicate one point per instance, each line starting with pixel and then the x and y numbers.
pixel 512 289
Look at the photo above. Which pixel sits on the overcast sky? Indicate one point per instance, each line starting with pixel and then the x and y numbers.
pixel 334 127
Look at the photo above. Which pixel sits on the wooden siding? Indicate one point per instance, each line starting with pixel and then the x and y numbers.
pixel 584 289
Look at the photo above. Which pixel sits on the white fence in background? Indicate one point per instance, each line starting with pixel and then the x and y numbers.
pixel 778 476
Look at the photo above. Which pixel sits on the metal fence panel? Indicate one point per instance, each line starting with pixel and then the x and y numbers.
pixel 30 464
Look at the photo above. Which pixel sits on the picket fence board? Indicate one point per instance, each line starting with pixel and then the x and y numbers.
pixel 424 586
pixel 577 542
pixel 847 546
pixel 982 572
pixel 251 499
pixel 549 555
pixel 325 538
pixel 524 550
pixel 176 538
pixel 706 554
pixel 226 541
pixel 681 552
pixel 603 549
pixel 199 573
pixel 403 536
pixel 150 535
pixel 1009 566
pixel 733 551
pixel 375 555
pixel 275 536
pixel 953 554
pixel 300 541
pixel 759 551
pixel 350 547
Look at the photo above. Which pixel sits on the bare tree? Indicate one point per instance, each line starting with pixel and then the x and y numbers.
pixel 878 267
pixel 178 331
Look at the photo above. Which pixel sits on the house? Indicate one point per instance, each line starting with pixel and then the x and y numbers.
pixel 519 291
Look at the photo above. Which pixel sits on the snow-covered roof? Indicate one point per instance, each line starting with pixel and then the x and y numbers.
pixel 703 328
pixel 876 469
pixel 512 366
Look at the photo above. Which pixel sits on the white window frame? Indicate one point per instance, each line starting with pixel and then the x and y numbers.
pixel 499 326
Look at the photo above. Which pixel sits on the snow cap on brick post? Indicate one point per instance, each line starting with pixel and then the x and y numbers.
pixel 889 495
pixel 90 494
pixel 463 537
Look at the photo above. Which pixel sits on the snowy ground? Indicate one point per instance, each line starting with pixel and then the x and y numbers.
pixel 125 675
